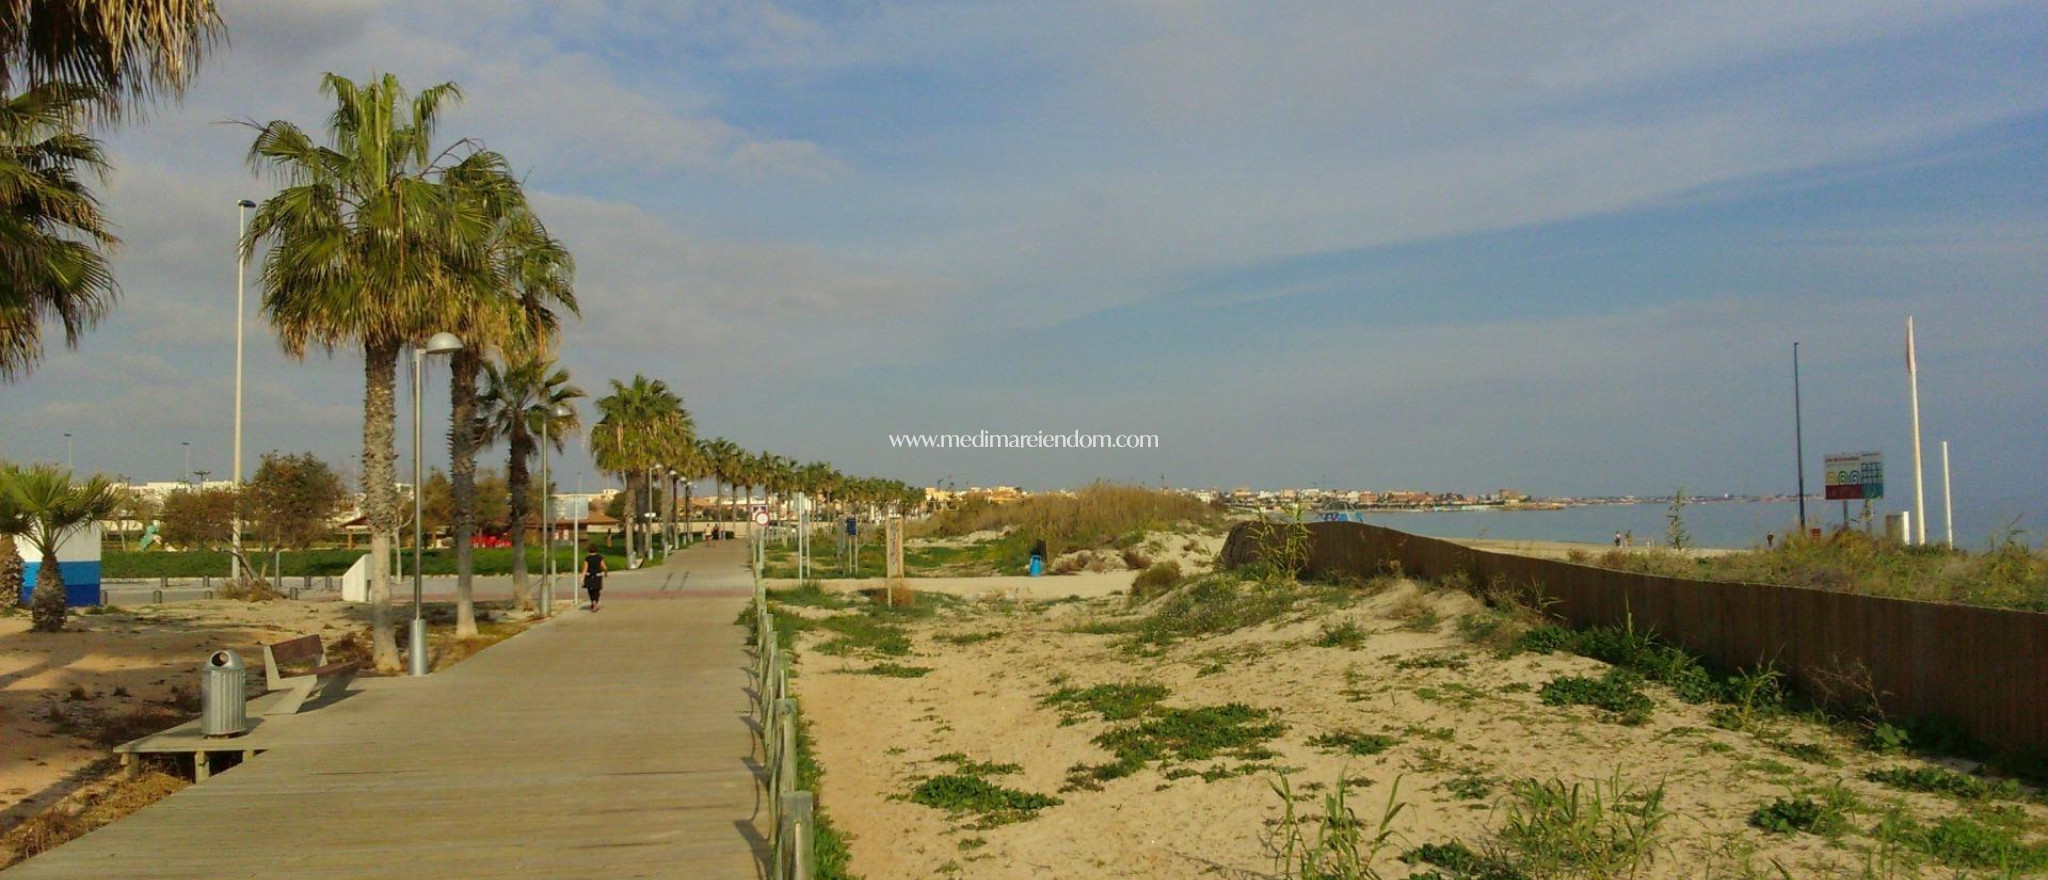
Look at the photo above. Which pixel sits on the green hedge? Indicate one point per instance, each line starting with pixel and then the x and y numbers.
pixel 130 565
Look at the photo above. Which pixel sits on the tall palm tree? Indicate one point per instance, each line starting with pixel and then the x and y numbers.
pixel 369 246
pixel 53 238
pixel 531 278
pixel 518 406
pixel 638 423
pixel 121 49
pixel 51 508
pixel 12 523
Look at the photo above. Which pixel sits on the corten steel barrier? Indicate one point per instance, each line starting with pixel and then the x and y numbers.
pixel 1985 669
pixel 790 811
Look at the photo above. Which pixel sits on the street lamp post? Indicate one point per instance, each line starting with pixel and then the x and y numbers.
pixel 69 460
pixel 242 211
pixel 440 343
pixel 188 458
pixel 547 508
pixel 670 502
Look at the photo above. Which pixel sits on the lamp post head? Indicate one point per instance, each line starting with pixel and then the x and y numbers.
pixel 442 343
pixel 246 203
pixel 563 411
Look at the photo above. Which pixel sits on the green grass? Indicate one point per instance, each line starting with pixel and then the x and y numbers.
pixel 1941 780
pixel 152 564
pixel 1352 742
pixel 1963 842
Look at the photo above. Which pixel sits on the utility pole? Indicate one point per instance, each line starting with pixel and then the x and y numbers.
pixel 1919 484
pixel 1799 439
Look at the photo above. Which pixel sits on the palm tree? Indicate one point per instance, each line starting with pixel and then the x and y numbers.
pixel 121 49
pixel 640 421
pixel 12 523
pixel 53 238
pixel 51 508
pixel 368 247
pixel 531 272
pixel 518 405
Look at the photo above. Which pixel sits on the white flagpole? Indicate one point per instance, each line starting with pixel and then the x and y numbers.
pixel 1948 503
pixel 1919 483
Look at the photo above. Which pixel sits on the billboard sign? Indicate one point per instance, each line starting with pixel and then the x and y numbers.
pixel 1853 476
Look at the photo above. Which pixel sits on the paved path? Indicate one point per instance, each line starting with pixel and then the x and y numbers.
pixel 608 744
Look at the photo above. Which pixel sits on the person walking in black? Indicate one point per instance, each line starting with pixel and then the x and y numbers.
pixel 593 576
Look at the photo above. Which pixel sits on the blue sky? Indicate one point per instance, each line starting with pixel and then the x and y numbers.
pixel 1564 248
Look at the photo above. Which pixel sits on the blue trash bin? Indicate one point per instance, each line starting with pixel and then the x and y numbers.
pixel 1037 565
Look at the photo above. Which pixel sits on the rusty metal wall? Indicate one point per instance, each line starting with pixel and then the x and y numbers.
pixel 1983 668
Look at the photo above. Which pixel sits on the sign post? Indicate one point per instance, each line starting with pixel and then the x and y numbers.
pixel 895 559
pixel 1853 476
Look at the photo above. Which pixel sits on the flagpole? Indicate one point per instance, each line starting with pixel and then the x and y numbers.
pixel 1948 504
pixel 1919 482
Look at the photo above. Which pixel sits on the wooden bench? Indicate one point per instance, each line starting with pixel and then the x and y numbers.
pixel 322 678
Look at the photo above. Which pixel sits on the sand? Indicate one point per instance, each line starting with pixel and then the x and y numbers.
pixel 57 690
pixel 877 737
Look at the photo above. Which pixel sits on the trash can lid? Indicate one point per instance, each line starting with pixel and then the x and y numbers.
pixel 224 659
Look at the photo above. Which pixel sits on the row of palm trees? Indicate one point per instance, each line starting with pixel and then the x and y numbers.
pixel 646 437
pixel 384 233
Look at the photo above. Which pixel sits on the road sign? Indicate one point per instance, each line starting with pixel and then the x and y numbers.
pixel 852 526
pixel 1854 475
pixel 760 516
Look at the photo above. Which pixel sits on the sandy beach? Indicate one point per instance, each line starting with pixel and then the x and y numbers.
pixel 1462 724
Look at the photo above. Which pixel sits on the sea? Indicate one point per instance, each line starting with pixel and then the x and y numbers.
pixel 1729 524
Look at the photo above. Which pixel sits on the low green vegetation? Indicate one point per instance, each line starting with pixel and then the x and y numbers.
pixel 1159 578
pixel 1964 842
pixel 2006 574
pixel 1214 604
pixel 1347 635
pixel 894 670
pixel 1941 780
pixel 1335 844
pixel 1554 829
pixel 1110 702
pixel 1619 692
pixel 1802 814
pixel 1352 742
pixel 1101 515
pixel 965 793
pixel 1174 736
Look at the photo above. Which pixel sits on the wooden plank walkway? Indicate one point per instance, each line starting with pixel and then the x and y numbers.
pixel 608 744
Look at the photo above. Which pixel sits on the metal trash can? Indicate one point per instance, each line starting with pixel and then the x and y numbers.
pixel 223 695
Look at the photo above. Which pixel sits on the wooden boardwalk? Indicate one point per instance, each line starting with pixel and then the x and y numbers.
pixel 608 744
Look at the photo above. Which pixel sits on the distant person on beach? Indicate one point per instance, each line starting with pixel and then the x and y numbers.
pixel 1617 539
pixel 593 575
pixel 1628 538
pixel 1770 540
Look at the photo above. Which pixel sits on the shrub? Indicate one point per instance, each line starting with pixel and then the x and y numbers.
pixel 1157 579
pixel 958 793
pixel 1347 635
pixel 1783 816
pixel 1618 692
pixel 1352 742
pixel 1215 603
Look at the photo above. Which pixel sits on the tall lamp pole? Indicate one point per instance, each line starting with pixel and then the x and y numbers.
pixel 187 475
pixel 69 460
pixel 242 211
pixel 547 508
pixel 1799 439
pixel 440 343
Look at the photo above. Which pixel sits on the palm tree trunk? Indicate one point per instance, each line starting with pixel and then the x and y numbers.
pixel 380 491
pixel 689 514
pixel 633 478
pixel 48 607
pixel 515 480
pixel 11 569
pixel 462 443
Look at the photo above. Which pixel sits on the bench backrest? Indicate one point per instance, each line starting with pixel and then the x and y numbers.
pixel 292 652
